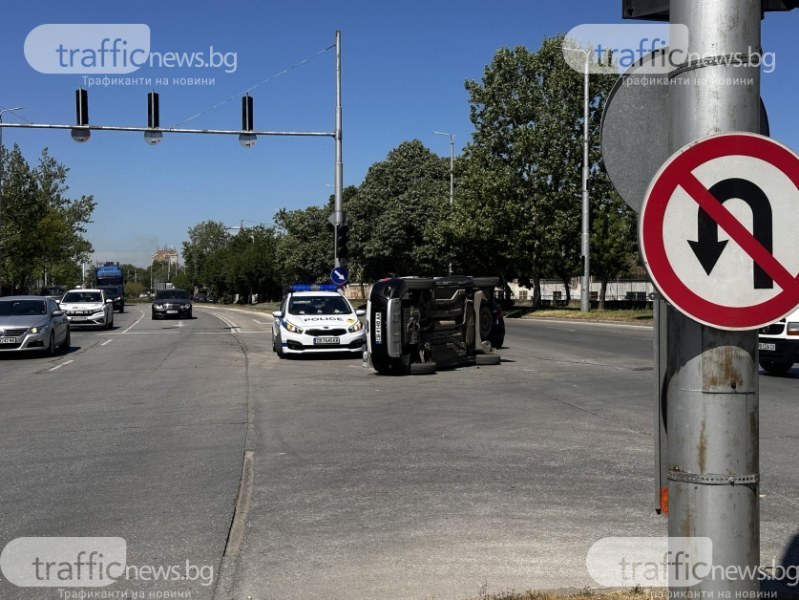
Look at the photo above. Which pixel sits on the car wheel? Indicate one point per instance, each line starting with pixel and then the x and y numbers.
pixel 486 321
pixel 279 347
pixel 776 367
pixel 110 323
pixel 487 359
pixel 190 315
pixel 67 343
pixel 122 308
pixel 425 368
pixel 498 341
pixel 154 317
pixel 51 347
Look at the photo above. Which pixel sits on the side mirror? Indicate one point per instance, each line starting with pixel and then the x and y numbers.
pixel 58 313
pixel 109 301
pixel 278 314
pixel 361 312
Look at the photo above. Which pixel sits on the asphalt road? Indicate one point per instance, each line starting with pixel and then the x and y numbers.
pixel 363 486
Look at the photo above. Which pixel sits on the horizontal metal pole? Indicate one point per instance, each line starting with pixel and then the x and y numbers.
pixel 171 130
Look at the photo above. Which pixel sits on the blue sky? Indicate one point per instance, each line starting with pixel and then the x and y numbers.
pixel 404 67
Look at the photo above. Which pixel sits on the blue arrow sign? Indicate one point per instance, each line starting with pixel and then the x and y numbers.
pixel 339 275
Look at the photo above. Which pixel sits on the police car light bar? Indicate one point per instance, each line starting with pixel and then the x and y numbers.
pixel 314 287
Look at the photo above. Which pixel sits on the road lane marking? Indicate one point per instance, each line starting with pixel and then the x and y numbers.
pixel 136 322
pixel 63 364
pixel 105 343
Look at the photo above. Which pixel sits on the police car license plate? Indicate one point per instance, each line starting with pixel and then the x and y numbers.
pixel 326 340
pixel 171 312
pixel 8 340
pixel 767 347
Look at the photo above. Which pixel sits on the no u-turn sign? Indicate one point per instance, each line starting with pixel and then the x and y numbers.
pixel 718 231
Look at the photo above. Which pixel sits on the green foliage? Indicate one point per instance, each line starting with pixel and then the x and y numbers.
pixel 398 215
pixel 41 230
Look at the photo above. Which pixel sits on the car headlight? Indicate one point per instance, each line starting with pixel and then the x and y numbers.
pixel 793 329
pixel 188 307
pixel 357 326
pixel 42 329
pixel 291 327
pixel 158 306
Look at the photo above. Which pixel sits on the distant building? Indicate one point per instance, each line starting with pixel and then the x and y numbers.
pixel 166 256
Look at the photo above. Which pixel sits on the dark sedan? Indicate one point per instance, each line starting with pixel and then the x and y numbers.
pixel 172 303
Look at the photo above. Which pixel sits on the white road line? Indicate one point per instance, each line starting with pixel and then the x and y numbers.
pixel 61 365
pixel 233 327
pixel 105 343
pixel 260 322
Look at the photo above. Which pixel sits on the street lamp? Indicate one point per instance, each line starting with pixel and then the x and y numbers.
pixel 451 174
pixel 3 110
pixel 585 297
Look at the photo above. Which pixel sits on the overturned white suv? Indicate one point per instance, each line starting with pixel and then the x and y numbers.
pixel 778 344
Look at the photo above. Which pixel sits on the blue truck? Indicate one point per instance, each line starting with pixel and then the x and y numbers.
pixel 109 277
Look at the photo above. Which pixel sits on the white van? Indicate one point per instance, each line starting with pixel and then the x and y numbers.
pixel 778 344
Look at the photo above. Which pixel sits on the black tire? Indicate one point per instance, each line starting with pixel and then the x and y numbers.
pixel 425 368
pixel 51 347
pixel 497 341
pixel 122 308
pixel 487 359
pixel 67 343
pixel 776 367
pixel 392 366
pixel 279 347
pixel 110 323
pixel 190 317
pixel 274 346
pixel 486 321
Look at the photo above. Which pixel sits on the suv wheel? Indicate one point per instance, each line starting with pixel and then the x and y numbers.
pixel 776 367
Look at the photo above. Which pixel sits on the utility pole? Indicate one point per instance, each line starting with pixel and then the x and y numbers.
pixel 340 217
pixel 711 378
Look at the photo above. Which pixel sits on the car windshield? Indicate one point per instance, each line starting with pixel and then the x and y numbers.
pixel 318 305
pixel 82 297
pixel 172 295
pixel 22 307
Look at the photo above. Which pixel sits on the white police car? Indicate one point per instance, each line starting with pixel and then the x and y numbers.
pixel 316 319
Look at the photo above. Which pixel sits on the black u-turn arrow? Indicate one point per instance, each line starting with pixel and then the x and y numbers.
pixel 708 248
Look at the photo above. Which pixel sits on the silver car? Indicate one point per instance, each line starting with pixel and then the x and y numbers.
pixel 32 323
pixel 88 307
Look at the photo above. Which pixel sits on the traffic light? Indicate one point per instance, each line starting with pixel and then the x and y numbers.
pixel 342 235
pixel 247 140
pixel 153 120
pixel 81 133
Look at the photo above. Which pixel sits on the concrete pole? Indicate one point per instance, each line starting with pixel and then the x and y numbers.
pixel 712 377
pixel 339 175
pixel 585 298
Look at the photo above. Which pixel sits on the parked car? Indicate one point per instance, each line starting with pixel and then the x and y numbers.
pixel 88 307
pixel 316 319
pixel 33 323
pixel 172 303
pixel 778 344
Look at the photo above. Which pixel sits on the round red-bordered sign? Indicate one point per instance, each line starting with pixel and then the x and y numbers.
pixel 678 175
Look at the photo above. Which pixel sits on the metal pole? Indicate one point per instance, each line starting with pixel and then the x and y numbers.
pixel 339 175
pixel 451 183
pixel 585 299
pixel 711 377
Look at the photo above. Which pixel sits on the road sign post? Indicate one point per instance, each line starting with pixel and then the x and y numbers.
pixel 711 375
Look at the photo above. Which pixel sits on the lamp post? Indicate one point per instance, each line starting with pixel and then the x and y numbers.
pixel 451 175
pixel 3 110
pixel 585 296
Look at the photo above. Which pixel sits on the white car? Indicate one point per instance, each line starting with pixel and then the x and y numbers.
pixel 778 344
pixel 315 319
pixel 88 307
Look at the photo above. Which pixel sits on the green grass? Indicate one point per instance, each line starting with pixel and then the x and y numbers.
pixel 627 316
pixel 636 593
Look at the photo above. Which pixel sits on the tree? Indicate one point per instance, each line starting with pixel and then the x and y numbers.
pixel 522 171
pixel 204 239
pixel 304 249
pixel 398 214
pixel 41 230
